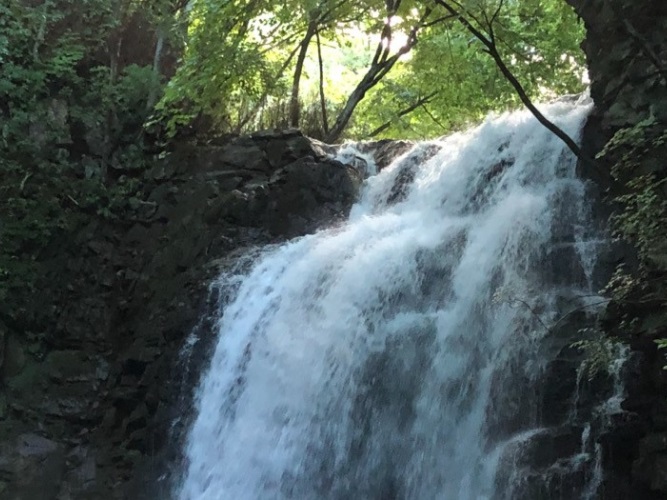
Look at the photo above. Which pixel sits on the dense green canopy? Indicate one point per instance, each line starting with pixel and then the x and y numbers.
pixel 335 68
pixel 254 64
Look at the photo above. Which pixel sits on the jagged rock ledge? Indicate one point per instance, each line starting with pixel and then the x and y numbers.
pixel 89 368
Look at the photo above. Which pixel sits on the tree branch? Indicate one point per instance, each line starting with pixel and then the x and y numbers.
pixel 435 120
pixel 491 48
pixel 437 21
pixel 295 104
pixel 497 12
pixel 420 102
pixel 380 66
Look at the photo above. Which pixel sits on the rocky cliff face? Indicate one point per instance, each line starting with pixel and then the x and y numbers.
pixel 626 49
pixel 88 370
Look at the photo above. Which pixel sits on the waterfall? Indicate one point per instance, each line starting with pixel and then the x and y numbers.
pixel 400 354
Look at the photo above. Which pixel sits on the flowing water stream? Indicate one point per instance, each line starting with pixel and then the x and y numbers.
pixel 400 354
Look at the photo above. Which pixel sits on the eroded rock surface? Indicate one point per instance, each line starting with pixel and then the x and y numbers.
pixel 626 50
pixel 89 371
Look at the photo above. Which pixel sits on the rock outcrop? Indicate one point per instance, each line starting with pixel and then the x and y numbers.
pixel 89 370
pixel 626 50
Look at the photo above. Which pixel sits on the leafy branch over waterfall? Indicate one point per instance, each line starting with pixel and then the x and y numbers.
pixel 490 44
pixel 342 69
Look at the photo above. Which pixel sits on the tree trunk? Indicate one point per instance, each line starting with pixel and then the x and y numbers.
pixel 344 117
pixel 382 63
pixel 157 58
pixel 295 105
pixel 323 101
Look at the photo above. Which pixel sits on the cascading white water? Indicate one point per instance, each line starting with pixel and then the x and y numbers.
pixel 393 356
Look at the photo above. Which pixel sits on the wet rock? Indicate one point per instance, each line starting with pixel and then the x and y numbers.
pixel 654 443
pixel 307 193
pixel 384 151
pixel 651 466
pixel 15 357
pixel 549 446
pixel 558 387
pixel 557 483
pixel 627 88
pixel 70 366
pixel 562 265
pixel 610 255
pixel 32 445
pixel 242 156
pixel 281 152
pixel 3 342
pixel 3 406
pixel 33 467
